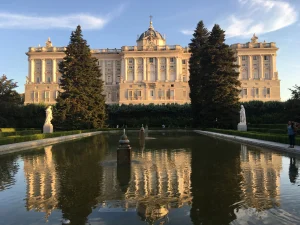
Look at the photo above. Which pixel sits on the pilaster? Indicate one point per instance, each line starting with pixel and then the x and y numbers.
pixel 157 69
pixel 54 70
pixel 43 70
pixel 250 67
pixel 261 67
pixel 114 72
pixel 144 69
pixel 103 71
pixel 167 69
pixel 126 69
pixel 32 70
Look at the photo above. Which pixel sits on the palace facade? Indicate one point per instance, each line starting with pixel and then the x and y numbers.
pixel 152 72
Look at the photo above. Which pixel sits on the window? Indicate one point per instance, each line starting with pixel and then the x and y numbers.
pixel 256 77
pixel 49 79
pixel 152 93
pixel 266 57
pixel 172 85
pixel 267 75
pixel 38 80
pixel 56 94
pixel 255 57
pixel 130 61
pixel 47 94
pixel 139 93
pixel 243 57
pixel 183 61
pixel 171 59
pixel 245 91
pixel 268 91
pixel 244 65
pixel 256 91
pixel 151 60
pixel 129 93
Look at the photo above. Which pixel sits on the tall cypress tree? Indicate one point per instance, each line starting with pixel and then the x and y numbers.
pixel 220 84
pixel 81 105
pixel 199 40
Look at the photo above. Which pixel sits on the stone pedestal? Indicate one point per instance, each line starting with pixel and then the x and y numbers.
pixel 123 156
pixel 124 151
pixel 242 127
pixel 48 128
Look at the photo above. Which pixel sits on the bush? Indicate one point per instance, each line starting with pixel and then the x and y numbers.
pixel 260 136
pixel 266 130
pixel 19 133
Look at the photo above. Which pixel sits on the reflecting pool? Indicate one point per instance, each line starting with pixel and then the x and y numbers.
pixel 174 178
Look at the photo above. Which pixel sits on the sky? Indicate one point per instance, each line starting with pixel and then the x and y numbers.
pixel 115 23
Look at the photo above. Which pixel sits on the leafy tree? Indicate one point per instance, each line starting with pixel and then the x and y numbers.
pixel 295 92
pixel 219 85
pixel 81 105
pixel 198 41
pixel 7 92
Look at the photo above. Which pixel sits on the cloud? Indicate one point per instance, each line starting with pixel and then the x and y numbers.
pixel 87 21
pixel 256 16
pixel 187 32
pixel 260 16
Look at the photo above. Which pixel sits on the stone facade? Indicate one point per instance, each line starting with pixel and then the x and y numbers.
pixel 151 72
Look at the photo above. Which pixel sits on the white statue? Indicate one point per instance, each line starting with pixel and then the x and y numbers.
pixel 48 115
pixel 242 115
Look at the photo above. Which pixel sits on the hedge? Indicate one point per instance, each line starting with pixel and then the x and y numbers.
pixel 17 139
pixel 20 133
pixel 260 136
pixel 266 130
pixel 269 126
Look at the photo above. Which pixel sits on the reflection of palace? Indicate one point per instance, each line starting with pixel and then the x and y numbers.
pixel 42 182
pixel 159 180
pixel 261 178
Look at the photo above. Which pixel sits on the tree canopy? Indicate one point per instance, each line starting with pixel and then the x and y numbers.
pixel 81 104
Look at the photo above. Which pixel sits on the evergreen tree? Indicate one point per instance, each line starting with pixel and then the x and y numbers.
pixel 199 40
pixel 81 105
pixel 220 84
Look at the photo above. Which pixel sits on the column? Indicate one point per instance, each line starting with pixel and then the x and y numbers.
pixel 43 70
pixel 250 66
pixel 177 74
pixel 240 64
pixel 144 69
pixel 135 75
pixel 32 70
pixel 114 72
pixel 167 69
pixel 125 70
pixel 261 67
pixel 54 70
pixel 103 71
pixel 273 66
pixel 157 69
pixel 122 69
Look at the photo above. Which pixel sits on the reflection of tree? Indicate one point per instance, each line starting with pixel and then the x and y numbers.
pixel 215 181
pixel 8 169
pixel 78 166
pixel 293 170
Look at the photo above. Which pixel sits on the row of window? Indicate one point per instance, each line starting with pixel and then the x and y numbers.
pixel 255 92
pixel 37 96
pixel 137 94
pixel 266 57
pixel 151 60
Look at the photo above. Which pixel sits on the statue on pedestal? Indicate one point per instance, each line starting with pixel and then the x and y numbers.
pixel 242 126
pixel 242 115
pixel 48 127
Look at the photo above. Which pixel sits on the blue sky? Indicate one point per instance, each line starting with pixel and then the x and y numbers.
pixel 114 23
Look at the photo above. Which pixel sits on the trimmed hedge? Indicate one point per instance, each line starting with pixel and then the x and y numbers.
pixel 17 139
pixel 266 130
pixel 269 126
pixel 260 136
pixel 20 133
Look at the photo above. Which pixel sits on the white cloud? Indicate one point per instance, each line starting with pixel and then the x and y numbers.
pixel 257 16
pixel 260 16
pixel 20 21
pixel 187 32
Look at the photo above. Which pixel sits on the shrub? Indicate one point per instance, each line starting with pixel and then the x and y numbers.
pixel 260 136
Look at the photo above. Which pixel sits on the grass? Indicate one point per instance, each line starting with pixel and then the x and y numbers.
pixel 279 138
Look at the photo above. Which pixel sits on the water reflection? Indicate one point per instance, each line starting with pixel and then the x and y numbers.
pixel 42 182
pixel 218 182
pixel 261 178
pixel 8 168
pixel 293 170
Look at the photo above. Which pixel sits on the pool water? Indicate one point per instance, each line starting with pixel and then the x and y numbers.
pixel 174 178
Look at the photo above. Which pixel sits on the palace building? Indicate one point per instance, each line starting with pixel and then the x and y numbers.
pixel 152 72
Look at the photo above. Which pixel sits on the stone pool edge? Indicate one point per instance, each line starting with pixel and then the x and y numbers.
pixel 16 147
pixel 251 141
